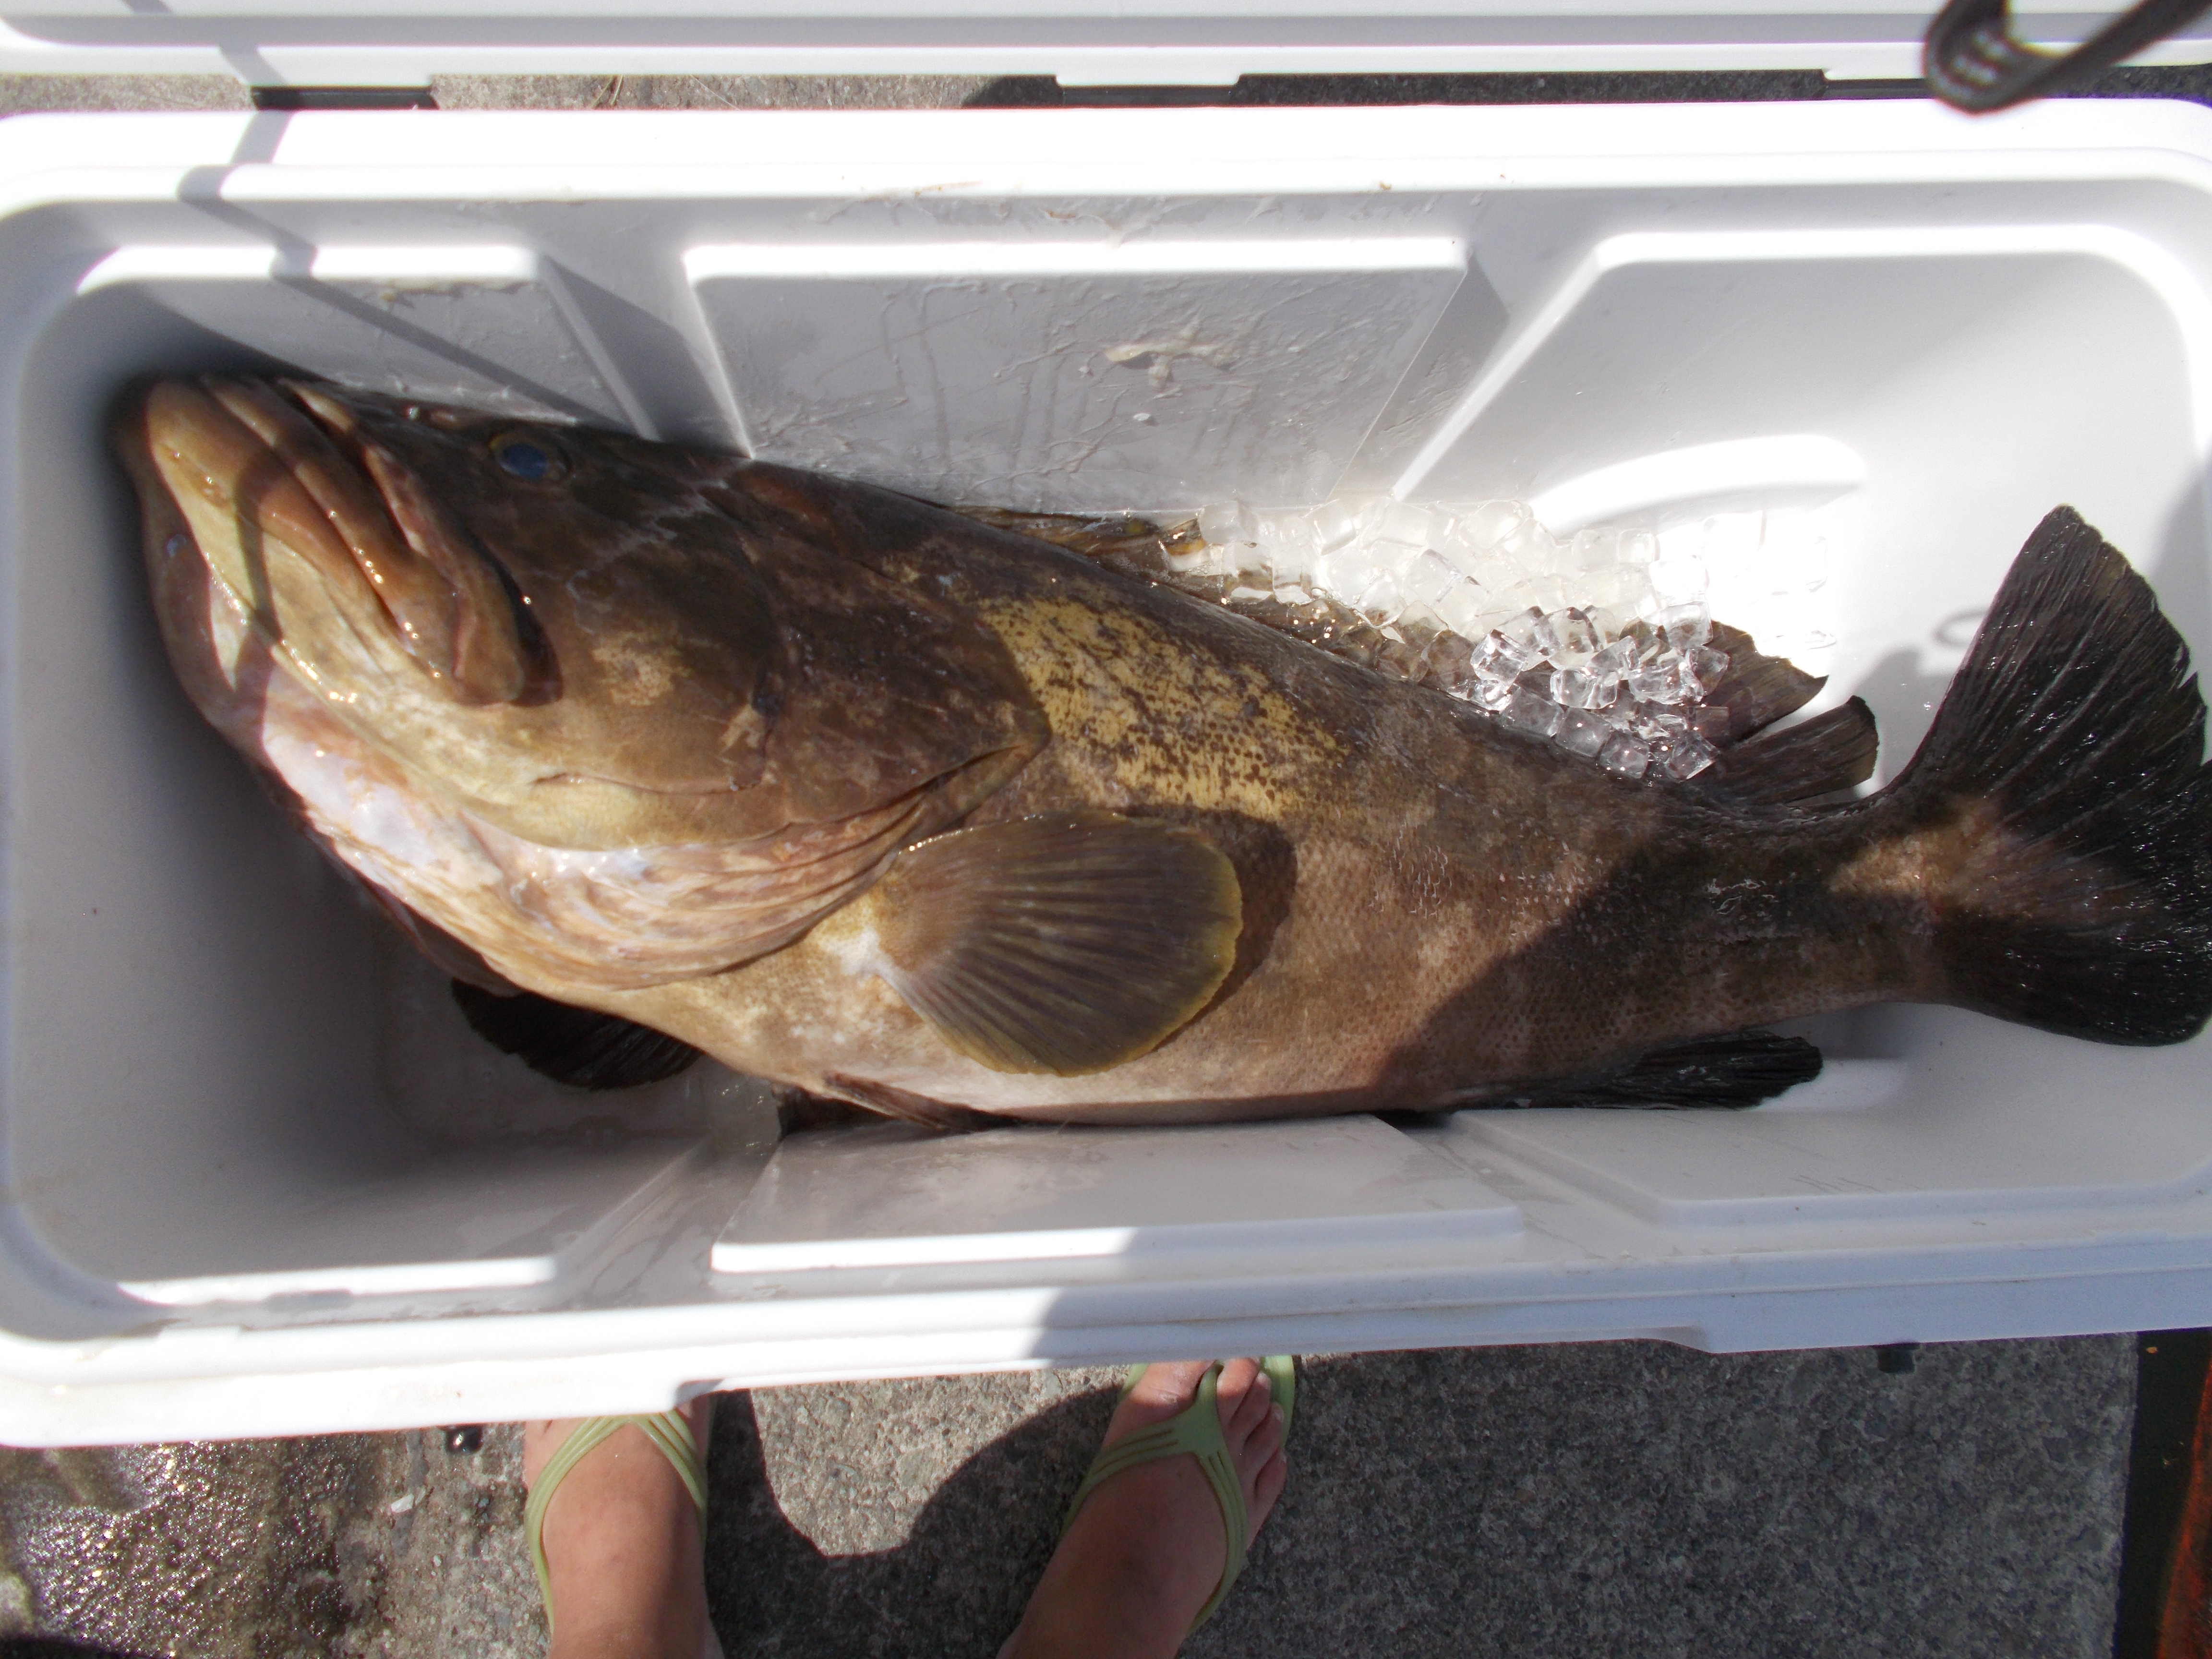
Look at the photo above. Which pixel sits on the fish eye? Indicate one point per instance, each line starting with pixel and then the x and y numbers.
pixel 530 459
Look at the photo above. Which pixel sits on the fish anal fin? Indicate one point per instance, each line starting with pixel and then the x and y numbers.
pixel 1064 943
pixel 1735 1069
pixel 580 1047
pixel 1818 756
pixel 908 1107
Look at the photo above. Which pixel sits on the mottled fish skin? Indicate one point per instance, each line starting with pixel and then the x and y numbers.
pixel 1434 905
pixel 1434 908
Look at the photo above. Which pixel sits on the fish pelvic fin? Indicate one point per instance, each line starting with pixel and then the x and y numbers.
pixel 580 1047
pixel 1064 943
pixel 2057 821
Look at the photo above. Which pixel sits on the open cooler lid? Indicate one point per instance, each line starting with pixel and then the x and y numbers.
pixel 340 43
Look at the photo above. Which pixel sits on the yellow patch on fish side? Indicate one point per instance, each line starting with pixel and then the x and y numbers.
pixel 1168 722
pixel 639 671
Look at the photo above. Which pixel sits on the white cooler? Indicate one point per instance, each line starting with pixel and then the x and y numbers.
pixel 256 1178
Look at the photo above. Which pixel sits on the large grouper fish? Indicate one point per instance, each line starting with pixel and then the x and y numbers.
pixel 891 805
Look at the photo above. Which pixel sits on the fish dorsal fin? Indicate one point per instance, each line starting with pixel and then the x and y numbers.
pixel 1815 757
pixel 1064 943
pixel 580 1047
pixel 1757 689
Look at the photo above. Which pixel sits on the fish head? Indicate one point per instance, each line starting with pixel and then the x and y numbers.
pixel 584 639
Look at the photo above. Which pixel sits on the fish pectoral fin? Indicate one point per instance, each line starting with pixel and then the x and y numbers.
pixel 1735 1069
pixel 1064 943
pixel 580 1047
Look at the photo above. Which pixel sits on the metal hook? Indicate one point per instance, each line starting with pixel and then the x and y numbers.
pixel 1973 63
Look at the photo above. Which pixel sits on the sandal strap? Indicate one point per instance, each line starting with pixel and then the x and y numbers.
pixel 1196 1431
pixel 669 1435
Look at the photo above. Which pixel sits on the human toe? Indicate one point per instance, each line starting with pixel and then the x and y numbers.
pixel 1165 1387
pixel 1260 1492
pixel 1246 1396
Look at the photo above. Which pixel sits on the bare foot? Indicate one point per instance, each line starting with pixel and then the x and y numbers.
pixel 1146 1551
pixel 623 1546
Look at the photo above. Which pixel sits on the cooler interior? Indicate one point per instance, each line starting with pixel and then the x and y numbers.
pixel 230 1100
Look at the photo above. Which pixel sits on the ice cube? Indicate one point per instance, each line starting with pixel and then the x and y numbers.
pixel 1687 626
pixel 1462 609
pixel 1501 657
pixel 1287 540
pixel 1578 636
pixel 1626 755
pixel 1291 594
pixel 1401 522
pixel 1578 688
pixel 1584 733
pixel 1494 694
pixel 1605 623
pixel 1524 709
pixel 1251 565
pixel 1244 593
pixel 1227 523
pixel 1546 634
pixel 1335 525
pixel 1348 573
pixel 1622 590
pixel 1710 721
pixel 1487 524
pixel 1209 561
pixel 1658 681
pixel 1429 577
pixel 1687 755
pixel 1382 602
pixel 1595 549
pixel 1711 666
pixel 1394 556
pixel 1541 594
pixel 1451 661
pixel 1637 547
pixel 1531 548
pixel 1520 626
pixel 1614 659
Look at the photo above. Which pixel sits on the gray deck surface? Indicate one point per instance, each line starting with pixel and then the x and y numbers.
pixel 1541 1503
pixel 1631 1500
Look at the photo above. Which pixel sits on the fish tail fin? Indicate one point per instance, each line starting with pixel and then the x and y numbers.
pixel 2059 816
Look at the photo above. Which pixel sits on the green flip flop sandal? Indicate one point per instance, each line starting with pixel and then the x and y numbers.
pixel 669 1433
pixel 1197 1429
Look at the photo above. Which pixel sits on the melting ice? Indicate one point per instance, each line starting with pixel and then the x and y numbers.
pixel 1601 643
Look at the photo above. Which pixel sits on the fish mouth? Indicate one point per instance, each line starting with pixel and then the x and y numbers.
pixel 288 465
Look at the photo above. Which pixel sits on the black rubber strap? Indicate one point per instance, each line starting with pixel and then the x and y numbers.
pixel 1973 62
